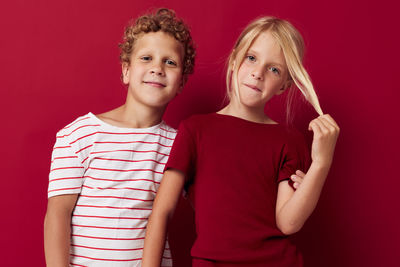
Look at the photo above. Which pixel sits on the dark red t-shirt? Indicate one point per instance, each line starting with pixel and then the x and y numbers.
pixel 234 166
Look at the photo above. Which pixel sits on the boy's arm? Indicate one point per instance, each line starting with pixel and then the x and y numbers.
pixel 294 207
pixel 57 229
pixel 163 208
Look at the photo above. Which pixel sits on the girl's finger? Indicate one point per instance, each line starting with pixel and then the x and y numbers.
pixel 300 173
pixel 313 126
pixel 331 127
pixel 296 178
pixel 331 120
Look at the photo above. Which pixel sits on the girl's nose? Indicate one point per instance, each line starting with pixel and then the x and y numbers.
pixel 256 74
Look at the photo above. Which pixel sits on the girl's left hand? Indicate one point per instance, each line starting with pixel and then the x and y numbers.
pixel 326 132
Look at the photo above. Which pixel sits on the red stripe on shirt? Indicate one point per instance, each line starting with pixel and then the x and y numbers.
pixel 104 217
pixel 64 178
pixel 114 249
pixel 73 264
pixel 127 160
pixel 58 147
pixel 124 180
pixel 128 198
pixel 97 259
pixel 76 129
pixel 114 228
pixel 80 150
pixel 73 123
pixel 119 188
pixel 110 207
pixel 128 150
pixel 107 238
pixel 84 160
pixel 131 142
pixel 137 134
pixel 168 130
pixel 63 168
pixel 60 189
pixel 120 134
pixel 119 170
pixel 69 157
pixel 83 137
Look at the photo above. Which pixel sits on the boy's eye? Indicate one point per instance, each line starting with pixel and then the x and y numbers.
pixel 170 62
pixel 145 58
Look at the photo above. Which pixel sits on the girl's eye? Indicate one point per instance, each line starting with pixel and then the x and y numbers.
pixel 251 58
pixel 170 62
pixel 145 58
pixel 274 70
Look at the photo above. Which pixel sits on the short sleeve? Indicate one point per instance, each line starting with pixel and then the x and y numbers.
pixel 183 152
pixel 296 156
pixel 66 171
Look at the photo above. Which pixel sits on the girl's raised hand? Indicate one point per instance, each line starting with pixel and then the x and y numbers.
pixel 326 132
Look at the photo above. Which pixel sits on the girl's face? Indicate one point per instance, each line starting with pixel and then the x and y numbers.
pixel 263 72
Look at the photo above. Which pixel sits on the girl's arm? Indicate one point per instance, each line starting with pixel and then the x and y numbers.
pixel 57 229
pixel 164 205
pixel 294 207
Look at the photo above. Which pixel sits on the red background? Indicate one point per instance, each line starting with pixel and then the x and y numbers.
pixel 59 60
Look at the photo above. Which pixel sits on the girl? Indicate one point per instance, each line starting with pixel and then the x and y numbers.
pixel 239 160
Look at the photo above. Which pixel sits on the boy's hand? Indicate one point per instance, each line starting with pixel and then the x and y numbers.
pixel 297 178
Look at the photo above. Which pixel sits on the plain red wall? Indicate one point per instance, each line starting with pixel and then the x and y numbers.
pixel 59 60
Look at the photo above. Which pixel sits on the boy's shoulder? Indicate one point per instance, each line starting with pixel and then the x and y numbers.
pixel 80 122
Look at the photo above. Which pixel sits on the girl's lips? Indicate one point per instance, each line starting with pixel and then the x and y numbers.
pixel 253 87
pixel 155 84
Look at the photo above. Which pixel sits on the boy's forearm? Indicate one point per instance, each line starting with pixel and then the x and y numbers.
pixel 57 233
pixel 292 216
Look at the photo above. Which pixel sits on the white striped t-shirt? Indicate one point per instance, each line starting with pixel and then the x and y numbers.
pixel 116 172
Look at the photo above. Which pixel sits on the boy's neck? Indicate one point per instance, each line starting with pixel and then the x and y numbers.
pixel 133 116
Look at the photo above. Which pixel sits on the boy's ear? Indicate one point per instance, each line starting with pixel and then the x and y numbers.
pixel 183 82
pixel 125 72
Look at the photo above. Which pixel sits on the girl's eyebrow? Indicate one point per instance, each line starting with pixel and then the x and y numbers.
pixel 250 51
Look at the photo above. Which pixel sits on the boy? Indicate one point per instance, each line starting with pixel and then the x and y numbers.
pixel 106 168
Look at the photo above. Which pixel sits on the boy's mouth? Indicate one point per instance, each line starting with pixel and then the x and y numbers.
pixel 154 84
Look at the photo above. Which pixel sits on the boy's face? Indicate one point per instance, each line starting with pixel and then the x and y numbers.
pixel 154 75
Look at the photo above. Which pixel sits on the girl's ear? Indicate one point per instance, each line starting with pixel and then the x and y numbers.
pixel 285 86
pixel 125 73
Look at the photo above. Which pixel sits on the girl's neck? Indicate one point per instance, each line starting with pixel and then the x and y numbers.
pixel 246 113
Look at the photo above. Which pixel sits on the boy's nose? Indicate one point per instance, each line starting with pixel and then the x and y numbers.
pixel 157 70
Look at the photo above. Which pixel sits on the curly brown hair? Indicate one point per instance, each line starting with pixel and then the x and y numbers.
pixel 162 20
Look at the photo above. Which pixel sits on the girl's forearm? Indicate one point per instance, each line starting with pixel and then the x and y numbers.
pixel 293 214
pixel 155 239
pixel 163 209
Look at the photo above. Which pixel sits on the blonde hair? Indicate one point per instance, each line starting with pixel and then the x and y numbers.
pixel 292 46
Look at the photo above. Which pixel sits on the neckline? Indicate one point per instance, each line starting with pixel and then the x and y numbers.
pixel 108 125
pixel 244 120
